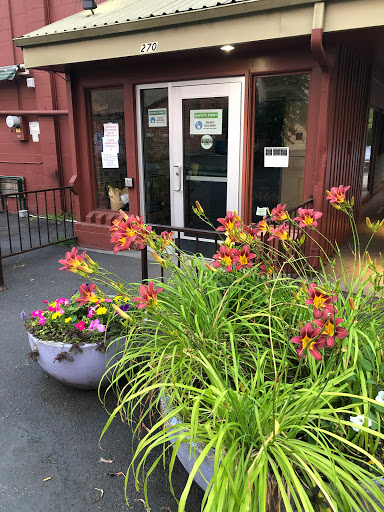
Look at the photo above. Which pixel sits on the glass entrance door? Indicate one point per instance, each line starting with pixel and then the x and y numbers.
pixel 205 150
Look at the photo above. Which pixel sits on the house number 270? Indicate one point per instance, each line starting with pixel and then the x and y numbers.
pixel 148 47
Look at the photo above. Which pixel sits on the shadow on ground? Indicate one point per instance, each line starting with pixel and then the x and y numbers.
pixel 52 431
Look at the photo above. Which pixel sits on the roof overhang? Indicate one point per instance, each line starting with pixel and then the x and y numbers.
pixel 251 21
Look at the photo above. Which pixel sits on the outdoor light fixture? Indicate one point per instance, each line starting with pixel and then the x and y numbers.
pixel 227 48
pixel 89 5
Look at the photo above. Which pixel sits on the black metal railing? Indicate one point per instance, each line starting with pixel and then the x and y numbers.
pixel 47 219
pixel 193 240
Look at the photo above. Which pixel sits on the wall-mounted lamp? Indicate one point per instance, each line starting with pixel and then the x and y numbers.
pixel 17 125
pixel 227 48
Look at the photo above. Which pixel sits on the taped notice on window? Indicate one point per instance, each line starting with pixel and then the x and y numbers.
pixel 207 121
pixel 111 130
pixel 276 157
pixel 109 160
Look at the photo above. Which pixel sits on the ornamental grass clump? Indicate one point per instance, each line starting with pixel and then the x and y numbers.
pixel 264 362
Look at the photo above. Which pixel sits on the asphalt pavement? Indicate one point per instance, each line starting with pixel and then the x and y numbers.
pixel 50 459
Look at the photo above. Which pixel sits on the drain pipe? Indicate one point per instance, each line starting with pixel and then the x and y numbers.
pixel 321 58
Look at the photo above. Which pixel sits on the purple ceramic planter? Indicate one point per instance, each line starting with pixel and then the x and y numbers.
pixel 88 367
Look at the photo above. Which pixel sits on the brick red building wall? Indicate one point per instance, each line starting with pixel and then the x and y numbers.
pixel 46 163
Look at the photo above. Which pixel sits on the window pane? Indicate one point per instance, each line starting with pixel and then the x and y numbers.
pixel 110 164
pixel 280 122
pixel 154 108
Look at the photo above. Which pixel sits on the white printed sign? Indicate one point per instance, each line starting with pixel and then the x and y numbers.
pixel 111 130
pixel 157 117
pixel 276 157
pixel 34 130
pixel 261 211
pixel 206 142
pixel 110 144
pixel 109 160
pixel 208 121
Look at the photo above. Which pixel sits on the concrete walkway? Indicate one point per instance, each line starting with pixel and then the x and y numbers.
pixel 48 430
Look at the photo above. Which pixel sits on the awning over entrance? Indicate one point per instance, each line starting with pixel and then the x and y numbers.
pixel 120 29
pixel 8 72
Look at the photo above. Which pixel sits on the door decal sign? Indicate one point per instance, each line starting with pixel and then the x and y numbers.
pixel 207 121
pixel 276 157
pixel 157 117
pixel 206 142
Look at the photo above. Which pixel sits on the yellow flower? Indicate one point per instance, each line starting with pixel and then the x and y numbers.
pixel 56 315
pixel 101 311
pixel 53 304
pixel 117 298
pixel 126 299
pixel 68 319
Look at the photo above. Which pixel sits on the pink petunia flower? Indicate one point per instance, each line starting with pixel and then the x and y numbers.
pixel 310 340
pixel 308 217
pixel 80 325
pixel 95 325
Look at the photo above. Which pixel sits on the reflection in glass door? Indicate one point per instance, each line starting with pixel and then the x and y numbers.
pixel 205 152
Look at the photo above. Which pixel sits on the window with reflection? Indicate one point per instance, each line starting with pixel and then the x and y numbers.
pixel 108 140
pixel 155 136
pixel 281 108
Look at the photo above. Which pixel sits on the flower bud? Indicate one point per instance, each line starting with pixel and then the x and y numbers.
pixel 122 313
pixel 210 267
pixel 352 305
pixel 368 221
pixel 199 208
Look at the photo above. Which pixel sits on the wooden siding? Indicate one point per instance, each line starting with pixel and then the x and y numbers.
pixel 347 137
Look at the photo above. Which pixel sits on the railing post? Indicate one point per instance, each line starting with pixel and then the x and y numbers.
pixel 2 284
pixel 144 264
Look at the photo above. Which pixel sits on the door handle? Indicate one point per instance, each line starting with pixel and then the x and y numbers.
pixel 177 178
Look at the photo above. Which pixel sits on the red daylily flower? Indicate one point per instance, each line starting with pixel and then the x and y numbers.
pixel 264 270
pixel 281 232
pixel 322 302
pixel 86 294
pixel 224 257
pixel 127 231
pixel 337 194
pixel 74 262
pixel 148 294
pixel 309 339
pixel 230 221
pixel 278 213
pixel 330 328
pixel 262 227
pixel 308 217
pixel 243 258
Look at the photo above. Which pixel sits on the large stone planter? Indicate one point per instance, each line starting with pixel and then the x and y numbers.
pixel 87 368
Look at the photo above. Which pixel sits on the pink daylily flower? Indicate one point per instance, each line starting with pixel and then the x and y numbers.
pixel 278 213
pixel 331 329
pixel 322 302
pixel 224 257
pixel 308 217
pixel 310 340
pixel 229 222
pixel 281 232
pixel 148 294
pixel 337 194
pixel 243 258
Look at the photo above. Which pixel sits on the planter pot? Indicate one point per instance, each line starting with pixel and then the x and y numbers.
pixel 207 467
pixel 188 459
pixel 87 368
